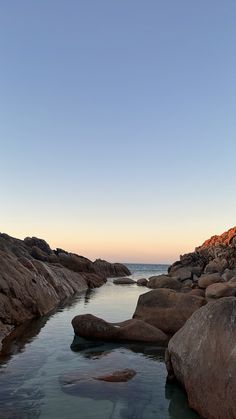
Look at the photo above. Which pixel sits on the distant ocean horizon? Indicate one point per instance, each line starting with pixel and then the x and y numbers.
pixel 145 270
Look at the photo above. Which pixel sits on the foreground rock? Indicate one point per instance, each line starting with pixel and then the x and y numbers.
pixel 202 357
pixel 92 327
pixel 34 279
pixel 166 309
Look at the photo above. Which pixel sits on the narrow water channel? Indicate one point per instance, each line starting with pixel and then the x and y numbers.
pixel 33 376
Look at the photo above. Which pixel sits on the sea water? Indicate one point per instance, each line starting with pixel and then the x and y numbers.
pixel 40 358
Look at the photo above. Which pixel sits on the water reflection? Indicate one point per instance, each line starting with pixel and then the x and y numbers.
pixel 95 348
pixel 37 357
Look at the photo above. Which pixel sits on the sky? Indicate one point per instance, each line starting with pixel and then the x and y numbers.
pixel 117 124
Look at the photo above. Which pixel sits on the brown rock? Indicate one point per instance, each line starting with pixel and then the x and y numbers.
pixel 120 376
pixel 182 273
pixel 164 281
pixel 124 281
pixel 92 327
pixel 216 265
pixel 142 282
pixel 220 290
pixel 207 279
pixel 166 309
pixel 202 357
pixel 34 279
pixel 199 292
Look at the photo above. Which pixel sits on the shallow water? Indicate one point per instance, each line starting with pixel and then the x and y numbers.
pixel 33 378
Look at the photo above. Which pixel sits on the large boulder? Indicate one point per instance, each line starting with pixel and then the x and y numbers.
pixel 164 281
pixel 202 357
pixel 166 309
pixel 92 327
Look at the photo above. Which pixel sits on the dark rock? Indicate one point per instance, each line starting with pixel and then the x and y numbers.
pixel 142 282
pixel 124 281
pixel 92 327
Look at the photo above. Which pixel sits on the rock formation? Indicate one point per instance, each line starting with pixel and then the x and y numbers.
pixel 167 309
pixel 92 327
pixel 202 357
pixel 34 279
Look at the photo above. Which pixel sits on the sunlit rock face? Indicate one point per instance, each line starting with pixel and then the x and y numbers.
pixel 215 255
pixel 34 279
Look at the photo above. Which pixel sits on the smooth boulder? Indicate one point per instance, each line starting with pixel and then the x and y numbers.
pixel 166 309
pixel 208 279
pixel 164 281
pixel 220 290
pixel 202 357
pixel 123 281
pixel 92 327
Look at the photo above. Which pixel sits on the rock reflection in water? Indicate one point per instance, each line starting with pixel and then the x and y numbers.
pixel 141 398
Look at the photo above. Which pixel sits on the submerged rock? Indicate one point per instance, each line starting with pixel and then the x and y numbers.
pixel 166 309
pixel 202 357
pixel 117 376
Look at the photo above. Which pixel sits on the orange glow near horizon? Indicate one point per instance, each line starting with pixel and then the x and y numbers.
pixel 138 247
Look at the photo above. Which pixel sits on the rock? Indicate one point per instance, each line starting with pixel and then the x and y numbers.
pixel 34 279
pixel 124 281
pixel 202 357
pixel 220 290
pixel 216 255
pixel 142 282
pixel 110 269
pixel 232 281
pixel 187 283
pixel 164 281
pixel 207 279
pixel 228 274
pixel 120 376
pixel 166 309
pixel 92 327
pixel 198 291
pixel 216 265
pixel 182 273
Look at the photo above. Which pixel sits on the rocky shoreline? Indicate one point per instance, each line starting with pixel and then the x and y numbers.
pixel 192 309
pixel 34 279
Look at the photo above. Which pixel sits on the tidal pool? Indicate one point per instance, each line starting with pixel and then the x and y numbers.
pixel 43 352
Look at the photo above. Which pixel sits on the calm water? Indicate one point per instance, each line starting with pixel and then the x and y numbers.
pixel 34 378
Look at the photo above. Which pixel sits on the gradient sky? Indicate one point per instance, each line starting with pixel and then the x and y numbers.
pixel 118 125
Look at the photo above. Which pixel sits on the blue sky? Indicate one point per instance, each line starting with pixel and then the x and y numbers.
pixel 118 124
